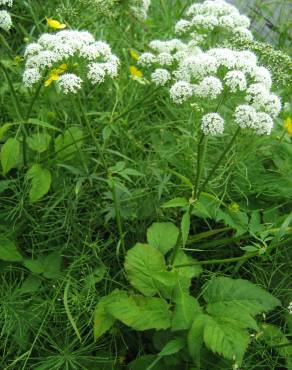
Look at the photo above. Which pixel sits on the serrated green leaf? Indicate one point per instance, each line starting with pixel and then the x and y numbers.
pixel 186 309
pixel 226 339
pixel 172 347
pixel 187 273
pixel 147 272
pixel 141 313
pixel 4 128
pixel 40 182
pixel 232 315
pixel 176 202
pixel 163 236
pixel 102 320
pixel 276 339
pixel 185 227
pixel 10 154
pixel 8 251
pixel 52 265
pixel 196 337
pixel 34 266
pixel 39 142
pixel 224 292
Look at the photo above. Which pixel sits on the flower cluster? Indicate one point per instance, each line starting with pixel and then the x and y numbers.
pixel 5 17
pixel 140 8
pixel 75 51
pixel 214 14
pixel 209 75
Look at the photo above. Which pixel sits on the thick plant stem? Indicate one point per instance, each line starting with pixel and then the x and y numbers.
pixel 219 261
pixel 92 134
pixel 202 145
pixel 118 217
pixel 217 164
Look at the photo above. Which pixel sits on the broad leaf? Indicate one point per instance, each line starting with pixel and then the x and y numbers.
pixel 8 251
pixel 222 293
pixel 146 270
pixel 196 336
pixel 10 154
pixel 185 311
pixel 102 320
pixel 172 347
pixel 141 313
pixel 226 339
pixel 185 273
pixel 39 142
pixel 185 227
pixel 176 202
pixel 52 265
pixel 40 182
pixel 35 266
pixel 163 236
pixel 4 128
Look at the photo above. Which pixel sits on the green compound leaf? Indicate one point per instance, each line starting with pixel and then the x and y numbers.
pixel 196 337
pixel 222 293
pixel 103 320
pixel 40 182
pixel 39 142
pixel 185 227
pixel 226 339
pixel 8 251
pixel 163 236
pixel 10 154
pixel 147 272
pixel 141 313
pixel 186 309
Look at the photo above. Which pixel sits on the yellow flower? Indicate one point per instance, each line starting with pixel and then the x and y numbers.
pixel 55 24
pixel 234 207
pixel 55 74
pixel 134 55
pixel 135 73
pixel 288 125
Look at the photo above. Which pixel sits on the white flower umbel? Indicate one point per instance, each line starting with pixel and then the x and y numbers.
pixel 262 75
pixel 272 105
pixel 69 83
pixel 212 124
pixel 181 91
pixel 257 95
pixel 160 76
pixel 146 59
pixel 6 2
pixel 290 308
pixel 209 87
pixel 164 59
pixel 140 8
pixel 31 76
pixel 73 48
pixel 235 80
pixel 96 73
pixel 5 20
pixel 245 116
pixel 214 14
pixel 263 124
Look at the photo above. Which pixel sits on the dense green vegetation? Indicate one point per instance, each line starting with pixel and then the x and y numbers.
pixel 131 237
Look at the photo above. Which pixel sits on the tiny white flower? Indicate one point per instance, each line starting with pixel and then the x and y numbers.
pixel 262 75
pixel 208 22
pixel 146 59
pixel 243 33
pixel 235 80
pixel 160 77
pixel 5 20
pixel 245 116
pixel 209 87
pixel 69 83
pixel 31 76
pixel 212 124
pixel 263 124
pixel 290 308
pixel 181 91
pixel 182 26
pixel 6 2
pixel 96 74
pixel 164 59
